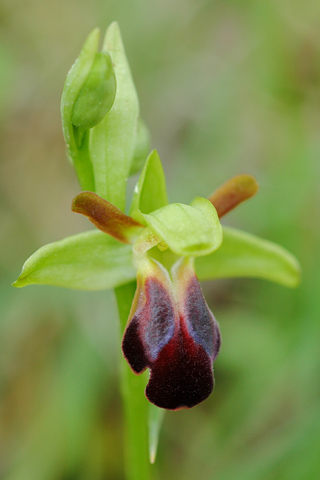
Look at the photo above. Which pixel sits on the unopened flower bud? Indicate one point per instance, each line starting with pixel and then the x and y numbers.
pixel 96 95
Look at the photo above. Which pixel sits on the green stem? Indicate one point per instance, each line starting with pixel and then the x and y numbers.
pixel 81 159
pixel 134 403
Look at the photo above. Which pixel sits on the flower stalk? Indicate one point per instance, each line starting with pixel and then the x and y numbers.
pixel 135 405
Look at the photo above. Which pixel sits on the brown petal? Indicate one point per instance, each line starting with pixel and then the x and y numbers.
pixel 233 192
pixel 107 217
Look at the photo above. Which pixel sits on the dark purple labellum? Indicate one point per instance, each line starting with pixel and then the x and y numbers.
pixel 202 325
pixel 177 341
pixel 182 376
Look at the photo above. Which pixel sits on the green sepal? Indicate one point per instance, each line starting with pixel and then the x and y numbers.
pixel 187 230
pixel 142 147
pixel 150 192
pixel 87 261
pixel 244 255
pixel 73 84
pixel 112 141
pixel 97 94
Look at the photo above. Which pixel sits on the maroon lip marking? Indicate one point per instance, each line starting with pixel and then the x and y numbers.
pixel 202 324
pixel 178 343
pixel 151 327
pixel 182 375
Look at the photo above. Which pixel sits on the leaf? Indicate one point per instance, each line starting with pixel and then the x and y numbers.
pixel 150 192
pixel 142 147
pixel 156 416
pixel 244 255
pixel 87 261
pixel 187 230
pixel 112 141
pixel 107 217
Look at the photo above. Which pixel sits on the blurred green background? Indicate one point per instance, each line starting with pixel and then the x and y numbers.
pixel 226 87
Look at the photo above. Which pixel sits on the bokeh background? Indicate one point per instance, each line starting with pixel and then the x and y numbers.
pixel 226 87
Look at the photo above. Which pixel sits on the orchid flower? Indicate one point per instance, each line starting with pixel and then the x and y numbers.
pixel 167 248
pixel 171 329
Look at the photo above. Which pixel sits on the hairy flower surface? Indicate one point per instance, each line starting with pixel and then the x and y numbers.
pixel 172 331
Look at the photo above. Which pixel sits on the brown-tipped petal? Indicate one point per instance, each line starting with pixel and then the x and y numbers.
pixel 107 217
pixel 233 192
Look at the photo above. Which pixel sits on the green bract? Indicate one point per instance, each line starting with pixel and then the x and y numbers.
pixel 150 192
pixel 112 142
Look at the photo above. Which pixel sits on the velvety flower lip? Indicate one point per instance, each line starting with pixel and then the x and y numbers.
pixel 177 342
pixel 153 318
pixel 151 327
pixel 193 308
